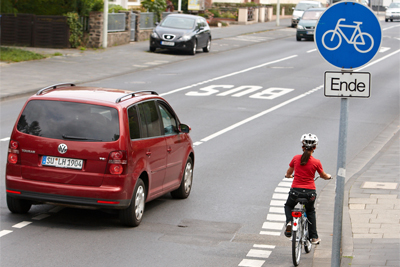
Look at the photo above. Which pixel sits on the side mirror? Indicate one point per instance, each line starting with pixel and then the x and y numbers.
pixel 184 128
pixel 293 8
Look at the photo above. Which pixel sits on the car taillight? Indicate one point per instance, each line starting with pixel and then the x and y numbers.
pixel 13 152
pixel 296 214
pixel 116 161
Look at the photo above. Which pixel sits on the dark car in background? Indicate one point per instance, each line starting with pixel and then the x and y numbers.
pixel 181 32
pixel 308 22
pixel 97 148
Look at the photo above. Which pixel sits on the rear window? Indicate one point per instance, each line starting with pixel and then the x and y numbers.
pixel 69 121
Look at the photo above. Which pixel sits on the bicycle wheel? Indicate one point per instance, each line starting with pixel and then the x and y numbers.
pixel 333 42
pixel 307 242
pixel 365 41
pixel 296 245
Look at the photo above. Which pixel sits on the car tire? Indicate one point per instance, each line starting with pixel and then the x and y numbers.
pixel 17 205
pixel 391 20
pixel 298 38
pixel 186 184
pixel 194 49
pixel 207 48
pixel 132 216
pixel 152 49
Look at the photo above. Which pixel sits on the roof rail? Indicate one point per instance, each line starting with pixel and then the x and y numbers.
pixel 54 86
pixel 133 94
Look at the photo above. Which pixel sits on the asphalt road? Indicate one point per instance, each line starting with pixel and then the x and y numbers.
pixel 248 104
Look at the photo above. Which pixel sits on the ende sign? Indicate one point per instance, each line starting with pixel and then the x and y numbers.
pixel 347 84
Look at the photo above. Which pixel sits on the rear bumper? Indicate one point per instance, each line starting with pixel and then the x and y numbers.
pixel 44 192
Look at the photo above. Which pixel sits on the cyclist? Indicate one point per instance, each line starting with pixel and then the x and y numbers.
pixel 304 166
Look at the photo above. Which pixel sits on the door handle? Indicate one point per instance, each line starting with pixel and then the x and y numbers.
pixel 148 153
pixel 169 150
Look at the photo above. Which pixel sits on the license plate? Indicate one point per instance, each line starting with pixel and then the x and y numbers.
pixel 62 162
pixel 310 32
pixel 167 43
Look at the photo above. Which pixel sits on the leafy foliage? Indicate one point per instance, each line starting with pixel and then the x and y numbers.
pixel 52 7
pixel 156 6
pixel 115 8
pixel 75 29
pixel 17 55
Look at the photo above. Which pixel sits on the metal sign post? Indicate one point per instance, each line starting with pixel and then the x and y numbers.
pixel 348 35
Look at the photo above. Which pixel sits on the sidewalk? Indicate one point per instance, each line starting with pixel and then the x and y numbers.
pixel 371 229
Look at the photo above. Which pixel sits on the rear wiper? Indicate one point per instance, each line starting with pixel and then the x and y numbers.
pixel 79 138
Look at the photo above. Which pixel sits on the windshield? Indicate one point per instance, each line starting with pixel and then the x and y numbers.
pixel 312 15
pixel 69 121
pixel 178 23
pixel 305 6
pixel 394 5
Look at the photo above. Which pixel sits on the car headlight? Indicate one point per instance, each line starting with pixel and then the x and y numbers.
pixel 300 27
pixel 154 35
pixel 388 13
pixel 186 37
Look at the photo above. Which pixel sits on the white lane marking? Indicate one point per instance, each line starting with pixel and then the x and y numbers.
pixel 259 253
pixel 390 27
pixel 383 49
pixel 278 203
pixel 263 246
pixel 197 143
pixel 40 217
pixel 227 75
pixel 282 189
pixel 251 263
pixel 21 224
pixel 285 184
pixel 270 233
pixel 56 209
pixel 227 129
pixel 312 50
pixel 379 60
pixel 279 196
pixel 5 232
pixel 276 210
pixel 5 139
pixel 276 217
pixel 272 226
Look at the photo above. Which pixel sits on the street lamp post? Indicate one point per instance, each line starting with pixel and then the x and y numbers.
pixel 105 23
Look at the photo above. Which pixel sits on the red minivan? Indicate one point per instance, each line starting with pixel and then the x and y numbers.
pixel 96 147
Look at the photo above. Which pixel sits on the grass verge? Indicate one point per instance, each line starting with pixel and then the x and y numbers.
pixel 9 54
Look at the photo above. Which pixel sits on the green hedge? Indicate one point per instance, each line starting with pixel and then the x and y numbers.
pixel 51 7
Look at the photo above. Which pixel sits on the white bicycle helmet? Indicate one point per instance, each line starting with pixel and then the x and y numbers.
pixel 309 140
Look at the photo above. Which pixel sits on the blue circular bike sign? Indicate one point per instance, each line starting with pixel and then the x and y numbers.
pixel 348 35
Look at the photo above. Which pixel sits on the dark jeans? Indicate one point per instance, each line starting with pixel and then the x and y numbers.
pixel 310 210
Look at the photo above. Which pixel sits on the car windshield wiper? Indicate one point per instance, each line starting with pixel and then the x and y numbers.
pixel 79 138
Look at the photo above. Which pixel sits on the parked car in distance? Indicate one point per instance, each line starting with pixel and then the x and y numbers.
pixel 96 147
pixel 181 32
pixel 300 8
pixel 393 12
pixel 308 22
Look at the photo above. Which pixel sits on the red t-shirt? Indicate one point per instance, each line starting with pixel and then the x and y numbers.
pixel 304 175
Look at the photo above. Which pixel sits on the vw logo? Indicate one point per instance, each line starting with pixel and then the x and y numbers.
pixel 62 148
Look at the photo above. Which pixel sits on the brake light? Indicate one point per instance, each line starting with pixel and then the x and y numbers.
pixel 116 161
pixel 296 214
pixel 13 192
pixel 13 152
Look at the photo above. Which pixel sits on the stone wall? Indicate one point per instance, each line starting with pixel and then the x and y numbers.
pixel 95 36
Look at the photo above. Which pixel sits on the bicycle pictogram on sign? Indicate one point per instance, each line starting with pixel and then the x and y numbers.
pixel 348 35
pixel 332 39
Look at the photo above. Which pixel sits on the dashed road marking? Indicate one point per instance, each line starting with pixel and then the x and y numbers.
pixel 5 139
pixel 259 253
pixel 21 224
pixel 4 232
pixel 40 217
pixel 251 263
pixel 282 190
pixel 279 196
pixel 276 217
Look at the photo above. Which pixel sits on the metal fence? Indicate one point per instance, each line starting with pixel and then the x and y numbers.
pixel 146 20
pixel 116 22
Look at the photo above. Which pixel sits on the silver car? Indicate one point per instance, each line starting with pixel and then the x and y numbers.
pixel 392 12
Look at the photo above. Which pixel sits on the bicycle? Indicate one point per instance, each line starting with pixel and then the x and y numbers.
pixel 300 234
pixel 357 38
